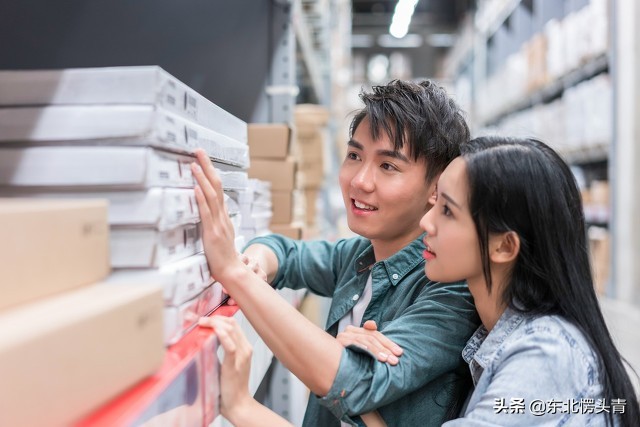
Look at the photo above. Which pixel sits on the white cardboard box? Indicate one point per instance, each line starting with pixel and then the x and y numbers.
pixel 117 125
pixel 181 280
pixel 160 208
pixel 148 247
pixel 149 85
pixel 117 168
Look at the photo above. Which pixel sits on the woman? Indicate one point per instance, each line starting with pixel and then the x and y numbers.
pixel 508 218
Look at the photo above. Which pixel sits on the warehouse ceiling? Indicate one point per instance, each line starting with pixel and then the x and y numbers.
pixel 373 17
pixel 431 32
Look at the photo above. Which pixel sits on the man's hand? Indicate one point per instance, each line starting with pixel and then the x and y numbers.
pixel 253 266
pixel 217 230
pixel 369 339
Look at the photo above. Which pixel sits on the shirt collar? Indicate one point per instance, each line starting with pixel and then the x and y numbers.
pixel 396 266
pixel 483 345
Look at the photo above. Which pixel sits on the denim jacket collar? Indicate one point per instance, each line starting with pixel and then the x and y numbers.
pixel 483 345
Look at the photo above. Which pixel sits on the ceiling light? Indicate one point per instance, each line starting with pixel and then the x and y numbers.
pixel 402 18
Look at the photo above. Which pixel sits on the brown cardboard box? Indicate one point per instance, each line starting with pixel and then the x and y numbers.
pixel 312 176
pixel 269 141
pixel 288 230
pixel 311 199
pixel 51 246
pixel 282 205
pixel 62 357
pixel 309 149
pixel 281 173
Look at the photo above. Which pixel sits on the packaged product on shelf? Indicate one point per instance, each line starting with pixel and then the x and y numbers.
pixel 268 141
pixel 63 357
pixel 121 168
pixel 51 246
pixel 117 125
pixel 181 280
pixel 149 247
pixel 146 85
pixel 281 173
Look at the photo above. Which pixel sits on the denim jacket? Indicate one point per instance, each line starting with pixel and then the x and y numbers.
pixel 533 371
pixel 431 321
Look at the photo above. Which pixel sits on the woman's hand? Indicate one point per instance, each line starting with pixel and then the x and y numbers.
pixel 234 374
pixel 217 231
pixel 369 339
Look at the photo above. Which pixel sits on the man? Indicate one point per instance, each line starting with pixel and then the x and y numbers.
pixel 399 144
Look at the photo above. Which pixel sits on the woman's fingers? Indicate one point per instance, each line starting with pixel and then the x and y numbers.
pixel 371 340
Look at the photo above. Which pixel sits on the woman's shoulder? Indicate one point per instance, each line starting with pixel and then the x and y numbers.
pixel 554 338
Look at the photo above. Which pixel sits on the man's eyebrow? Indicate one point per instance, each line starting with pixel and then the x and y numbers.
pixel 355 144
pixel 395 154
pixel 450 200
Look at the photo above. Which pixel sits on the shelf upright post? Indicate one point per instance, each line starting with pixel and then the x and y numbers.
pixel 625 151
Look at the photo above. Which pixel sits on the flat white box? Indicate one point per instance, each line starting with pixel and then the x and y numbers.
pixel 117 168
pixel 179 320
pixel 160 208
pixel 117 125
pixel 181 280
pixel 148 247
pixel 149 85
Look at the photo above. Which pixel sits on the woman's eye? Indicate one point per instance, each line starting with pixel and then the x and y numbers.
pixel 446 211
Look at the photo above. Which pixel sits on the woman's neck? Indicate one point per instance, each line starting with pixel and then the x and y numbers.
pixel 489 305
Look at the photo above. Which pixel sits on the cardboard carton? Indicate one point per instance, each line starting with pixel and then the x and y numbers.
pixel 282 205
pixel 62 357
pixel 104 168
pixel 117 125
pixel 147 85
pixel 51 246
pixel 288 230
pixel 281 173
pixel 268 141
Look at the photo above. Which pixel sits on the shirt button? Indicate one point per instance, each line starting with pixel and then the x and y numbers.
pixel 355 297
pixel 395 276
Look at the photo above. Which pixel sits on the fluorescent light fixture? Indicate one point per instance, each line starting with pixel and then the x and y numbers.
pixel 410 40
pixel 402 18
pixel 362 40
pixel 441 40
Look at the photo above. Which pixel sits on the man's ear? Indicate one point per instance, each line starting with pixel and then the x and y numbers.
pixel 504 247
pixel 433 191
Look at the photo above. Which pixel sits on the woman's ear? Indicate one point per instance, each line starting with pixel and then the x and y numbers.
pixel 504 247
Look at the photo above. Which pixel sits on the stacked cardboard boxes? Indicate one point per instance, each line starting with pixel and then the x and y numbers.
pixel 311 121
pixel 271 161
pixel 68 343
pixel 125 136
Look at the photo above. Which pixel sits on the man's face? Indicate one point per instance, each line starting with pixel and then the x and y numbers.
pixel 384 191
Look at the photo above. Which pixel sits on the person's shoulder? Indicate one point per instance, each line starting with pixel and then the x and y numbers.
pixel 555 338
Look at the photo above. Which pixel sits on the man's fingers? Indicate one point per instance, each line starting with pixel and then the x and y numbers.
pixel 210 174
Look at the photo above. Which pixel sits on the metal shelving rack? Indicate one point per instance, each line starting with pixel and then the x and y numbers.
pixel 474 58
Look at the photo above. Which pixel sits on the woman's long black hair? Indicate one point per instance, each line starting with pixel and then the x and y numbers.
pixel 522 185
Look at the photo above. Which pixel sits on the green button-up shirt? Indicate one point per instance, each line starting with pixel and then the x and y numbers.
pixel 431 321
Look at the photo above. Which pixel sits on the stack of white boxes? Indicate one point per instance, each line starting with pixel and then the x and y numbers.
pixel 126 134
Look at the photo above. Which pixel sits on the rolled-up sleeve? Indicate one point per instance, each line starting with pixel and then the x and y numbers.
pixel 432 331
pixel 313 265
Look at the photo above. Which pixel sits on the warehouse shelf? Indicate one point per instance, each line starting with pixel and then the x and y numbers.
pixel 554 89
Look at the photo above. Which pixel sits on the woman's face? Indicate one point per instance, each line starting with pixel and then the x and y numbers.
pixel 452 249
